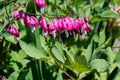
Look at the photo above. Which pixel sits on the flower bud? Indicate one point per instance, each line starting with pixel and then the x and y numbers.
pixel 40 3
pixel 43 24
pixel 18 14
pixel 22 14
pixel 13 31
pixel 27 20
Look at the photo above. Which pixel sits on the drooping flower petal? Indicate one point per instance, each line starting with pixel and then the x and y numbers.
pixel 33 22
pixel 51 28
pixel 70 24
pixel 43 24
pixel 78 24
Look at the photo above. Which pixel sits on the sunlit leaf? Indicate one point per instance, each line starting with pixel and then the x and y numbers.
pixel 31 51
pixel 99 64
pixel 57 55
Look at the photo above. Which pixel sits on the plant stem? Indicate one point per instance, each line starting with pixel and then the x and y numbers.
pixel 116 47
pixel 6 11
pixel 1 45
pixel 68 75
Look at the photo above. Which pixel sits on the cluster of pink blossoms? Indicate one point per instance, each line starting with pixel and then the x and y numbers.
pixel 28 20
pixel 66 24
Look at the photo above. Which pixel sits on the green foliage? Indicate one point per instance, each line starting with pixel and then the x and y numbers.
pixel 99 64
pixel 34 56
pixel 32 51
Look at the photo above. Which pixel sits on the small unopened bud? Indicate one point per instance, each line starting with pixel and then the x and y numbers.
pixel 13 30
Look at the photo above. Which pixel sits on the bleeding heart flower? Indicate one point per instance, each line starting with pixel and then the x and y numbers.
pixel 40 3
pixel 86 25
pixel 61 25
pixel 51 28
pixel 70 23
pixel 78 24
pixel 43 24
pixel 31 21
pixel 13 30
pixel 18 14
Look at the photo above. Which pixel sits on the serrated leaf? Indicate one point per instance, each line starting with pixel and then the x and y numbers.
pixel 17 56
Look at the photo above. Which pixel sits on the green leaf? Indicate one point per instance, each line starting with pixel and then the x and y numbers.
pixel 117 76
pixel 30 6
pixel 31 51
pixel 44 43
pixel 103 16
pixel 117 59
pixel 69 63
pixel 22 34
pixel 59 75
pixel 110 55
pixel 29 76
pixel 23 74
pixel 17 56
pixel 102 37
pixel 81 64
pixel 13 76
pixel 103 75
pixel 96 38
pixel 11 39
pixel 116 2
pixel 98 3
pixel 99 64
pixel 3 27
pixel 96 18
pixel 79 2
pixel 109 14
pixel 57 55
pixel 87 52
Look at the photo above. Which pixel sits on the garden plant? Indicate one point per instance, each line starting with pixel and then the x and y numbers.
pixel 59 40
